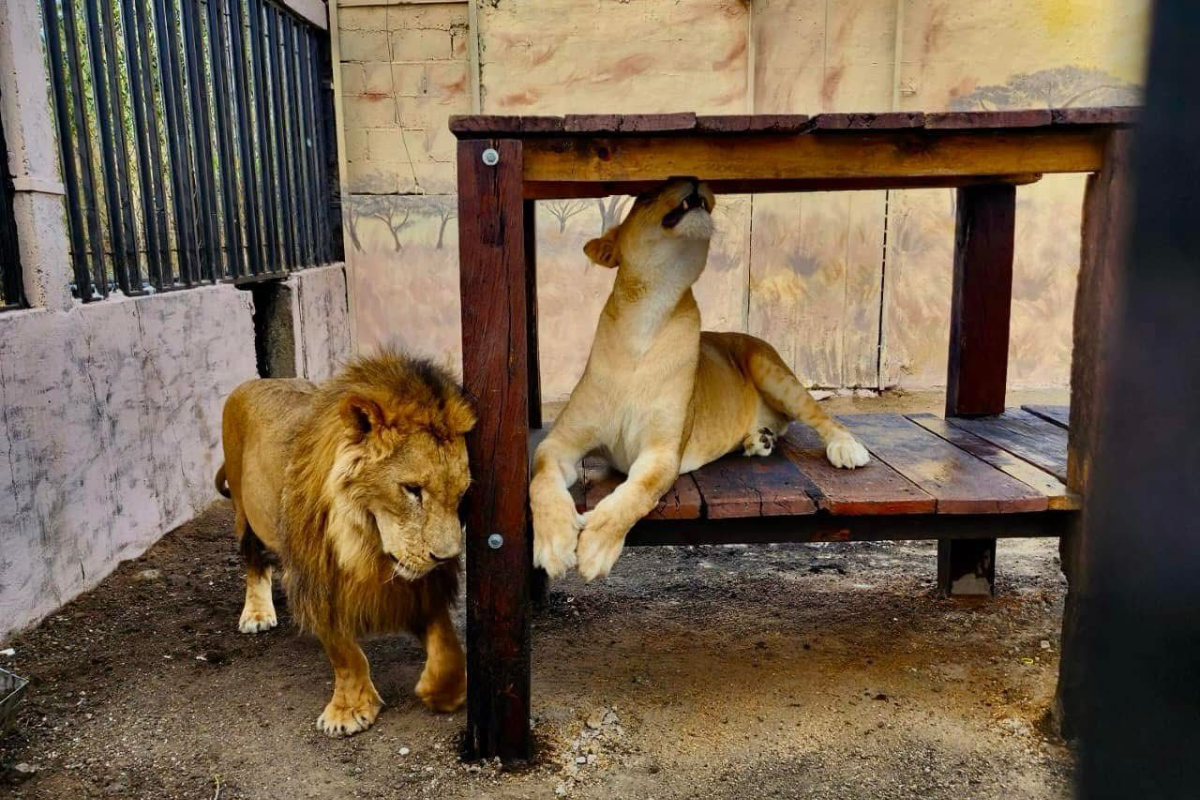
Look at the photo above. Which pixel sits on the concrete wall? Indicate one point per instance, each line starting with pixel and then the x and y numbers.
pixel 110 424
pixel 810 273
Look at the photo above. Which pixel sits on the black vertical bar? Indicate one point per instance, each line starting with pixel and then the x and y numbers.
pixel 128 273
pixel 197 82
pixel 66 151
pixel 310 150
pixel 253 222
pixel 297 147
pixel 178 131
pixel 108 150
pixel 279 121
pixel 218 43
pixel 164 269
pixel 265 144
pixel 329 169
pixel 176 141
pixel 82 142
pixel 137 98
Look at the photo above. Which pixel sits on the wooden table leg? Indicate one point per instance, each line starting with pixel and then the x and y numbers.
pixel 492 263
pixel 978 366
pixel 1106 213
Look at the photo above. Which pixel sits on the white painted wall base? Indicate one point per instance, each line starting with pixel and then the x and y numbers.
pixel 110 425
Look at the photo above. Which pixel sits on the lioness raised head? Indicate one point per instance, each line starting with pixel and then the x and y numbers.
pixel 355 483
pixel 676 216
pixel 401 466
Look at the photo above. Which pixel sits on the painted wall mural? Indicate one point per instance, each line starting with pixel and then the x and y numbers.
pixel 853 289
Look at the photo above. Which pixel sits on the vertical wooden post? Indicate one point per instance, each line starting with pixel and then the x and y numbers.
pixel 977 371
pixel 491 237
pixel 1106 213
pixel 539 588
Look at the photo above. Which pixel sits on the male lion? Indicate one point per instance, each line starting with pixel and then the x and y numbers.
pixel 355 484
pixel 659 397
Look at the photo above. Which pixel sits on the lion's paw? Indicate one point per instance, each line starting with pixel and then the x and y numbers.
pixel 555 533
pixel 845 452
pixel 342 718
pixel 443 694
pixel 600 543
pixel 257 620
pixel 760 443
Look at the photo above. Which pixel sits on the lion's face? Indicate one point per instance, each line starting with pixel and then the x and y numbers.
pixel 677 216
pixel 406 486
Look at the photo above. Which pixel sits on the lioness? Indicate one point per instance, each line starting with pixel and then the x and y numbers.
pixel 355 484
pixel 659 397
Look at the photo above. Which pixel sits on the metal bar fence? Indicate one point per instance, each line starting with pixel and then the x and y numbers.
pixel 194 137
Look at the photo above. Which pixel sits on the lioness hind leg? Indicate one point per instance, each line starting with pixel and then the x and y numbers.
pixel 355 703
pixel 443 683
pixel 258 613
pixel 782 391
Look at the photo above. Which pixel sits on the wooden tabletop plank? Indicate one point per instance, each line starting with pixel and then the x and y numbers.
pixel 892 120
pixel 1057 495
pixel 741 486
pixel 482 125
pixel 1030 437
pixel 682 501
pixel 967 120
pixel 1059 415
pixel 745 123
pixel 960 482
pixel 873 489
pixel 861 155
pixel 1103 115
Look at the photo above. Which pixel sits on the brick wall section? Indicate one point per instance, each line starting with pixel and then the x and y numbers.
pixel 404 72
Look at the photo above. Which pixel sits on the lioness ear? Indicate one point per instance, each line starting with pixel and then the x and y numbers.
pixel 603 251
pixel 362 414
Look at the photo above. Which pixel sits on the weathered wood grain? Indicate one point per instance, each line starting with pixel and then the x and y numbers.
pixel 1107 209
pixel 1057 494
pixel 1032 438
pixel 966 120
pixel 495 364
pixel 484 125
pixel 740 486
pixel 863 155
pixel 534 367
pixel 682 500
pixel 981 300
pixel 563 190
pixel 961 483
pixel 1059 415
pixel 874 489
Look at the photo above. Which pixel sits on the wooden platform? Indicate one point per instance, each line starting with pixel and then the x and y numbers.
pixel 990 473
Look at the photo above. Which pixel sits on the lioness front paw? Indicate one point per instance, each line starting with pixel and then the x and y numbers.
pixel 556 530
pixel 346 718
pixel 845 452
pixel 257 620
pixel 600 543
pixel 442 693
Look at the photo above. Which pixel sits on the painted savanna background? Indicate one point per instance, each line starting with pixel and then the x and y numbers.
pixel 852 288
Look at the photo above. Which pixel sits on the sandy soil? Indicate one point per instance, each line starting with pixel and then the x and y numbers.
pixel 807 671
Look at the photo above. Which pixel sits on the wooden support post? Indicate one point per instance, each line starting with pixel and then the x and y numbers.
pixel 978 365
pixel 491 235
pixel 1106 212
pixel 531 320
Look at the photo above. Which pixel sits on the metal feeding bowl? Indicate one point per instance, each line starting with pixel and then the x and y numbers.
pixel 11 689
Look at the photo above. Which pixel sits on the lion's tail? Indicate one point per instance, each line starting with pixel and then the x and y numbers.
pixel 222 485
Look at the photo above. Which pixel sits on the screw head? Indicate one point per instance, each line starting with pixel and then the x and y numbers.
pixel 491 158
pixel 495 541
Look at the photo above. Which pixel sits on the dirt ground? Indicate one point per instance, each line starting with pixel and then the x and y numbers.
pixel 805 671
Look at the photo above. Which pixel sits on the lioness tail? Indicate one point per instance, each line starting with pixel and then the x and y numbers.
pixel 222 486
